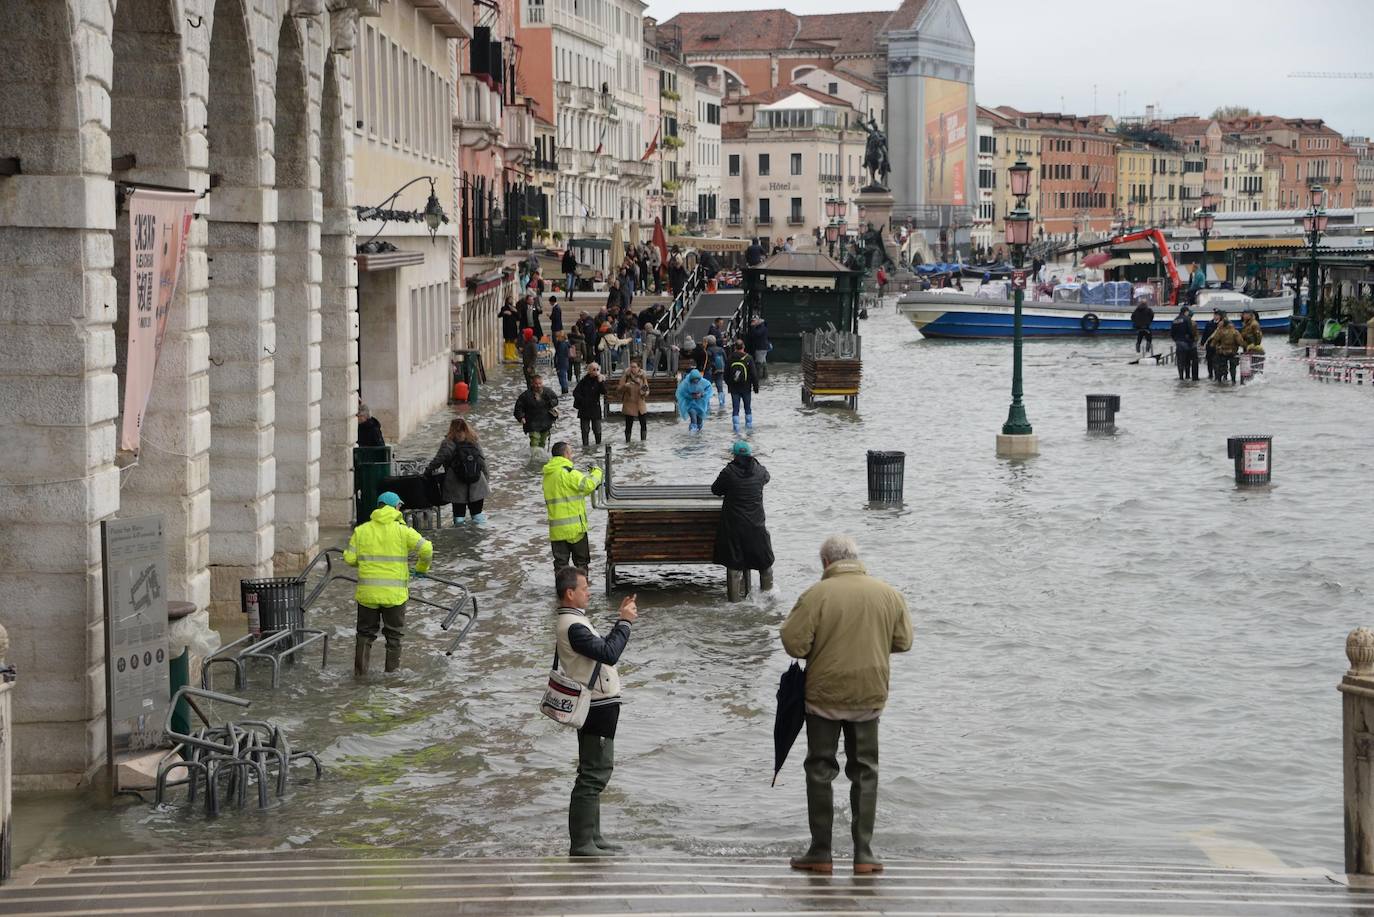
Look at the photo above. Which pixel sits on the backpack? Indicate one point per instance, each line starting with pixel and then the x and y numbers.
pixel 467 463
pixel 739 373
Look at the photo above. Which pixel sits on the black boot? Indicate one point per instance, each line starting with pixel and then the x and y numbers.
pixel 393 657
pixel 599 839
pixel 362 652
pixel 822 737
pixel 861 767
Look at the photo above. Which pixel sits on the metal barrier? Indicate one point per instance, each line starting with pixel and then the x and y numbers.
pixel 238 753
pixel 274 648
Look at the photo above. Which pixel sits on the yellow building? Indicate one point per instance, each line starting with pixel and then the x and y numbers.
pixel 1012 143
pixel 403 134
pixel 1150 185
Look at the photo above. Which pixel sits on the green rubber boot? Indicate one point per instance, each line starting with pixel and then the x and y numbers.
pixel 822 738
pixel 861 767
pixel 599 839
pixel 582 828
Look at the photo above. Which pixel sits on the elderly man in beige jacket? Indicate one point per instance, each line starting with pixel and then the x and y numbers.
pixel 845 627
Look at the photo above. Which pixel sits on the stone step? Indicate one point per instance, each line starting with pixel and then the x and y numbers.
pixel 328 882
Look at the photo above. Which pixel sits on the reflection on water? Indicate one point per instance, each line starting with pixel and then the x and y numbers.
pixel 1116 650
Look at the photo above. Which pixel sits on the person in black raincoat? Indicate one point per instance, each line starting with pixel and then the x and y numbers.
pixel 742 541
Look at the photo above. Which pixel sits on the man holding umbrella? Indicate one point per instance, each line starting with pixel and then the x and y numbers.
pixel 845 627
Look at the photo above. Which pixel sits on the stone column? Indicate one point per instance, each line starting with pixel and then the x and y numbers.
pixel 6 763
pixel 1357 740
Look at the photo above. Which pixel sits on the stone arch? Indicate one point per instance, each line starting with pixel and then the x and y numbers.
pixel 56 316
pixel 338 305
pixel 801 71
pixel 148 143
pixel 296 306
pixel 239 245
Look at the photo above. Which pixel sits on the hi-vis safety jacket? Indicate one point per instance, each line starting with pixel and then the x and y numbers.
pixel 381 551
pixel 565 497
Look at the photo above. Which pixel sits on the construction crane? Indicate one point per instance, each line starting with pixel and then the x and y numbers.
pixel 1330 75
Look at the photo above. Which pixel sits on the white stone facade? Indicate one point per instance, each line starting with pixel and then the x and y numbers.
pixel 246 447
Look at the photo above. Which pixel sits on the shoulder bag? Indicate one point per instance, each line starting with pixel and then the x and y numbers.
pixel 566 700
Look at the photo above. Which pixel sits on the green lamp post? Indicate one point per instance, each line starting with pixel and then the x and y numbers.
pixel 1017 437
pixel 1314 224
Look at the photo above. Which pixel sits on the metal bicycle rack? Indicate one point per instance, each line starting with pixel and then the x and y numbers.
pixel 236 654
pixel 235 754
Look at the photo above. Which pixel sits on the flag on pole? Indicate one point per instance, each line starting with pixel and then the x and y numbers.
pixel 601 141
pixel 653 145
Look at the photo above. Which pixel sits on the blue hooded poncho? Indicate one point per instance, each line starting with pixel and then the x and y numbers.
pixel 695 384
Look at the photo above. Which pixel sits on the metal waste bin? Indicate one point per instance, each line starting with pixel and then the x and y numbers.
pixel 1102 413
pixel 886 471
pixel 1254 458
pixel 273 604
pixel 371 465
pixel 467 367
pixel 179 668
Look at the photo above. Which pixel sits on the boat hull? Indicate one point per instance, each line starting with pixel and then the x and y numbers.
pixel 949 316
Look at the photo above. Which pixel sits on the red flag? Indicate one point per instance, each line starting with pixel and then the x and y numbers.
pixel 653 145
pixel 660 241
pixel 600 141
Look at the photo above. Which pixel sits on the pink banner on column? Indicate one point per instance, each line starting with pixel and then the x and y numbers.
pixel 159 223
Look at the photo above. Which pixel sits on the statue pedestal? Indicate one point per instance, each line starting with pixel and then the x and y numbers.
pixel 877 205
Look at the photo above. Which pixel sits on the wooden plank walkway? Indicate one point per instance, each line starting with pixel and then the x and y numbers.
pixel 394 882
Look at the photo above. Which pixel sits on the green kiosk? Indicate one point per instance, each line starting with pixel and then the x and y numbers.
pixel 801 292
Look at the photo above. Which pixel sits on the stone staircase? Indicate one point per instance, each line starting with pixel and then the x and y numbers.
pixel 386 882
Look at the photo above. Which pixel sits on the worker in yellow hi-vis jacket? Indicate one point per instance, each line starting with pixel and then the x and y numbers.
pixel 380 548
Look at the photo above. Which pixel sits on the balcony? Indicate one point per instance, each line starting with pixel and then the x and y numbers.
pixel 478 118
pixel 827 178
pixel 517 133
pixel 561 14
pixel 563 92
pixel 534 15
pixel 734 219
pixel 450 18
pixel 607 165
pixel 585 97
pixel 684 170
pixel 567 162
pixel 764 220
pixel 796 219
pixel 636 172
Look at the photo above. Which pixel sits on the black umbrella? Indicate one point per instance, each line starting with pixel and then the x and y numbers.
pixel 791 715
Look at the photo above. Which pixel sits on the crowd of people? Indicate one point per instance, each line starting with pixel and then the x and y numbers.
pixel 1220 342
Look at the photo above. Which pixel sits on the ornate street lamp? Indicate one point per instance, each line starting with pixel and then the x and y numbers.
pixel 1077 225
pixel 432 216
pixel 1314 224
pixel 1130 215
pixel 832 235
pixel 1205 221
pixel 1018 224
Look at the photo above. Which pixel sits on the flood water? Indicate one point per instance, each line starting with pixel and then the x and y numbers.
pixel 1119 655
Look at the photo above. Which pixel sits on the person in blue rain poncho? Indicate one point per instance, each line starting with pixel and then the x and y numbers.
pixel 694 394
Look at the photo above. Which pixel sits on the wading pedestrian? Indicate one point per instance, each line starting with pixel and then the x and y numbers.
pixel 742 540
pixel 743 383
pixel 466 484
pixel 588 397
pixel 694 399
pixel 1183 330
pixel 845 627
pixel 536 409
pixel 1142 320
pixel 756 342
pixel 634 392
pixel 380 548
pixel 591 659
pixel 565 498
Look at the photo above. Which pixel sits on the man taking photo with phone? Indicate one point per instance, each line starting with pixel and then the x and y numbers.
pixel 583 654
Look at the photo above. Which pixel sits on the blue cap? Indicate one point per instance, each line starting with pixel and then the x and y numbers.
pixel 741 448
pixel 389 499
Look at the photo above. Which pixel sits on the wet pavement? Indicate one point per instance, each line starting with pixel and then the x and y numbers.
pixel 1119 655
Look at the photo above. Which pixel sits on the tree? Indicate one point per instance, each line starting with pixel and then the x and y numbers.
pixel 1226 112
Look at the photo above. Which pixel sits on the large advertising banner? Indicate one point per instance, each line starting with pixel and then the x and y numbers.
pixel 946 141
pixel 159 222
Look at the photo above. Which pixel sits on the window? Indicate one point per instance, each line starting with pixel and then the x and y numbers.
pixel 796 215
pixel 734 210
pixel 796 164
pixel 987 178
pixel 763 163
pixel 987 144
pixel 734 164
pixel 833 88
pixel 764 215
pixel 987 211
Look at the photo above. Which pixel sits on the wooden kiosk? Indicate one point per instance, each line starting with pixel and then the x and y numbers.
pixel 831 366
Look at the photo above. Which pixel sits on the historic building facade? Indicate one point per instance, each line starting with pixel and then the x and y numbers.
pixel 246 446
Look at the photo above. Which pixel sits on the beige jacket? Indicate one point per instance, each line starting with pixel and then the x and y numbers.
pixel 579 667
pixel 631 392
pixel 845 627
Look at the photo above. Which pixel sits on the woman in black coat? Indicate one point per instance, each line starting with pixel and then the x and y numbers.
pixel 588 395
pixel 742 541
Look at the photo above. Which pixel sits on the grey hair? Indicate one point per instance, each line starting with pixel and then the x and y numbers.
pixel 362 409
pixel 838 547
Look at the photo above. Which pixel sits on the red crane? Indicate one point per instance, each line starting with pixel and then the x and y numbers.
pixel 1156 238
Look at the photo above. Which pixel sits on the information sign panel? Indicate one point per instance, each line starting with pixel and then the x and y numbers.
pixel 136 679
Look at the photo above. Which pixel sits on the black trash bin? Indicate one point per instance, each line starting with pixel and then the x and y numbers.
pixel 886 471
pixel 275 602
pixel 1254 458
pixel 1102 413
pixel 371 464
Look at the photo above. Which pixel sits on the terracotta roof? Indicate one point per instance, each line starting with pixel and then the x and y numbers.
pixel 734 130
pixel 995 117
pixel 745 30
pixel 847 33
pixel 905 16
pixel 1053 120
pixel 777 93
pixel 854 78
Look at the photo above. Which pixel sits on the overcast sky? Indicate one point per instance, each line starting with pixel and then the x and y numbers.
pixel 1185 56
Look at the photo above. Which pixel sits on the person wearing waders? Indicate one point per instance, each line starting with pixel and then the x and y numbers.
pixel 590 659
pixel 1141 320
pixel 380 548
pixel 742 541
pixel 715 363
pixel 743 384
pixel 1183 330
